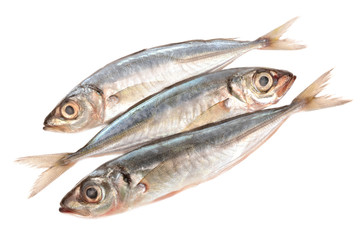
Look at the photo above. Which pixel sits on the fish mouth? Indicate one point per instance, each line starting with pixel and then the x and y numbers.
pixel 53 124
pixel 49 121
pixel 65 210
pixel 284 84
pixel 52 128
pixel 78 212
pixel 70 205
pixel 49 126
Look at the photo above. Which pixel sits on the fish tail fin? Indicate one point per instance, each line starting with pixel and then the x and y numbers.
pixel 57 164
pixel 42 161
pixel 272 39
pixel 49 176
pixel 308 99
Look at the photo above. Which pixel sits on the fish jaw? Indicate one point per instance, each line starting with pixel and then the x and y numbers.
pixel 64 209
pixel 284 84
pixel 54 125
pixel 49 125
pixel 54 122
pixel 70 204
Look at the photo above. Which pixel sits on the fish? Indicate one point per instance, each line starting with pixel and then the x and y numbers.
pixel 166 167
pixel 113 89
pixel 187 105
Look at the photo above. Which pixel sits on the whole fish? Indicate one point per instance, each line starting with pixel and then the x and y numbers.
pixel 116 87
pixel 166 167
pixel 198 101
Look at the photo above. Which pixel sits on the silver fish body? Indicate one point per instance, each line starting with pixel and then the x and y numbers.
pixel 168 166
pixel 119 85
pixel 153 69
pixel 198 101
pixel 158 170
pixel 209 98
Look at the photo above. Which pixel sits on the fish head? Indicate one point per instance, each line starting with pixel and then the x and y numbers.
pixel 81 109
pixel 261 87
pixel 93 197
pixel 102 193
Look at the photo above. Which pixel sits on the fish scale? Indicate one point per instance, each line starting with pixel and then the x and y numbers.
pixel 165 167
pixel 207 160
pixel 166 65
pixel 198 101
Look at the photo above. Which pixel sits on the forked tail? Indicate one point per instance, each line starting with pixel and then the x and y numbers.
pixel 309 101
pixel 272 41
pixel 55 163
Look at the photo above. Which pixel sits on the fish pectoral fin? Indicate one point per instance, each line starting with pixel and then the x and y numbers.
pixel 215 113
pixel 133 93
pixel 145 186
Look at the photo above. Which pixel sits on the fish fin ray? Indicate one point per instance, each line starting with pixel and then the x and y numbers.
pixel 48 176
pixel 273 41
pixel 42 161
pixel 308 99
pixel 56 165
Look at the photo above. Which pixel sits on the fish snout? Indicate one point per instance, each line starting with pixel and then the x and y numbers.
pixel 51 127
pixel 50 121
pixel 64 210
pixel 284 84
pixel 55 124
pixel 71 204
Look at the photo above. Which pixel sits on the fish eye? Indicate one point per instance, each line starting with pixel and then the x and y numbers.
pixel 263 82
pixel 93 194
pixel 69 110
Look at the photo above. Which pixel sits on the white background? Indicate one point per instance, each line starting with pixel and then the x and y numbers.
pixel 304 183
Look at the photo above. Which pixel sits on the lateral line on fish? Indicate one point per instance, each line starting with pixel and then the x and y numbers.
pixel 115 138
pixel 204 56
